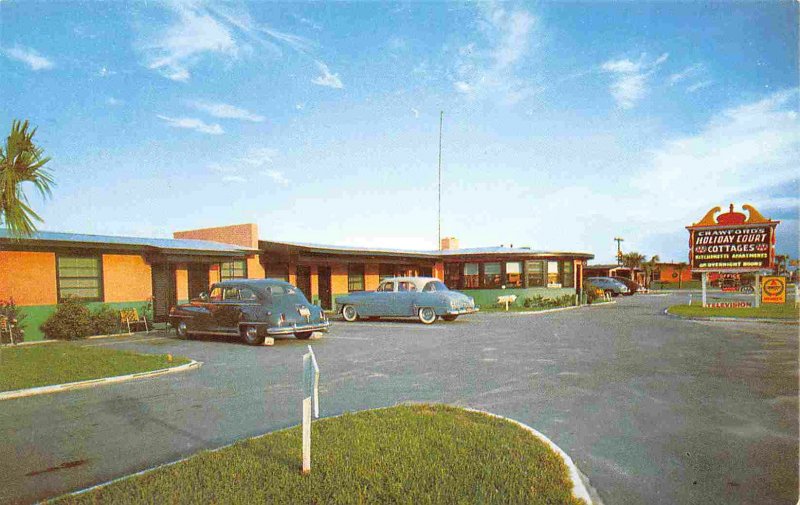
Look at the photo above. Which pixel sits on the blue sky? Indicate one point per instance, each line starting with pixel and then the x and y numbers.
pixel 565 124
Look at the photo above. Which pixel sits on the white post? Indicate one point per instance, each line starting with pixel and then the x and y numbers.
pixel 310 394
pixel 703 278
pixel 757 290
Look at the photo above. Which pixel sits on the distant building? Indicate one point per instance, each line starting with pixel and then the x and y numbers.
pixel 612 270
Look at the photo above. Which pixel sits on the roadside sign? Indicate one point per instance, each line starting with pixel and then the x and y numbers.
pixel 773 289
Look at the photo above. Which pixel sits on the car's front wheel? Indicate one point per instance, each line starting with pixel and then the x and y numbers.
pixel 427 315
pixel 450 318
pixel 303 335
pixel 349 313
pixel 251 336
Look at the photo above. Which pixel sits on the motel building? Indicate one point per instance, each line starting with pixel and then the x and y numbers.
pixel 130 272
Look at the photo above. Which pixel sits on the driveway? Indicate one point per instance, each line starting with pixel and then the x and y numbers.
pixel 653 409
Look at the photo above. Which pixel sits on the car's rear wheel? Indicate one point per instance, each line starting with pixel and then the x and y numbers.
pixel 303 335
pixel 182 330
pixel 427 315
pixel 450 318
pixel 251 336
pixel 349 313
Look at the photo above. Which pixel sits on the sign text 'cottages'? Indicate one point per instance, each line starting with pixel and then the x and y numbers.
pixel 732 242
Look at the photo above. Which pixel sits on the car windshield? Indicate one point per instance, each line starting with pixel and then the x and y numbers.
pixel 435 286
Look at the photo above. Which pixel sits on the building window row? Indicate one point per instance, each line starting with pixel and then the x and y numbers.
pixel 511 274
pixel 236 269
pixel 355 278
pixel 80 277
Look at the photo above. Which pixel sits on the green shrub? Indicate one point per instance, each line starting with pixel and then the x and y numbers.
pixel 72 319
pixel 538 301
pixel 16 320
pixel 105 321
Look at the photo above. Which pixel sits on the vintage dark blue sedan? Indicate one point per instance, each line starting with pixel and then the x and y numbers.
pixel 423 297
pixel 250 309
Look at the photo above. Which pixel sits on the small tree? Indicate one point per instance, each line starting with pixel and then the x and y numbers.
pixel 650 267
pixel 21 161
pixel 680 267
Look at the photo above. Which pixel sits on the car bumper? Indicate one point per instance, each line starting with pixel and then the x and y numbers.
pixel 462 311
pixel 298 328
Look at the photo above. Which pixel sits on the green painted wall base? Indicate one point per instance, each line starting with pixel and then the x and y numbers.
pixel 38 314
pixel 488 297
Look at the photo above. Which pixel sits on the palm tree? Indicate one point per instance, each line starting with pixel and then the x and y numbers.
pixel 21 161
pixel 680 267
pixel 632 260
pixel 650 267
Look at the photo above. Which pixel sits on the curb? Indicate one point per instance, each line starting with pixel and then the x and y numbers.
pixel 579 489
pixel 92 337
pixel 733 319
pixel 42 390
pixel 559 309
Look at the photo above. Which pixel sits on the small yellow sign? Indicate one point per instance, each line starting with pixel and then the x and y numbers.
pixel 773 289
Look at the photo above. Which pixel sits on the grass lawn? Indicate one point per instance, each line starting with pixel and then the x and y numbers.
pixel 414 454
pixel 785 311
pixel 521 308
pixel 58 363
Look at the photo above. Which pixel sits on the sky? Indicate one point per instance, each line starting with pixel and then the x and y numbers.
pixel 565 124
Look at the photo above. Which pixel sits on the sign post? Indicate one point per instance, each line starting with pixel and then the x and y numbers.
pixel 310 395
pixel 704 282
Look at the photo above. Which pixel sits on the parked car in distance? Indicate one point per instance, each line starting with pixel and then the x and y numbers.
pixel 633 286
pixel 250 309
pixel 608 285
pixel 423 297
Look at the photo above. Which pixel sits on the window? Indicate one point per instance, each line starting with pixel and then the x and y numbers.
pixel 233 270
pixel 514 274
pixel 406 286
pixel 81 277
pixel 491 275
pixel 355 278
pixel 567 274
pixel 280 272
pixel 553 275
pixel 471 275
pixel 452 275
pixel 230 294
pixel 386 286
pixel 433 286
pixel 247 295
pixel 385 271
pixel 535 271
pixel 426 272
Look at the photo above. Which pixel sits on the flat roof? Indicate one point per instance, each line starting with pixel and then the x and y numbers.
pixel 163 244
pixel 477 251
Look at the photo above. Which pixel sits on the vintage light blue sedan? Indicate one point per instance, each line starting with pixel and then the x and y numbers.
pixel 423 297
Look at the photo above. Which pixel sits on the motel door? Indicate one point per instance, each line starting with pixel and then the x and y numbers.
pixel 198 280
pixel 163 290
pixel 304 280
pixel 325 288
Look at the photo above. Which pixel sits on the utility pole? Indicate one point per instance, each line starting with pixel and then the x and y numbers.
pixel 619 249
pixel 441 120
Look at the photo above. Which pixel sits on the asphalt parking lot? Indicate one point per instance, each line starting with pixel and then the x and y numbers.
pixel 652 409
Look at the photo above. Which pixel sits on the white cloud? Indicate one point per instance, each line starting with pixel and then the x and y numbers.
pixel 699 85
pixel 686 73
pixel 194 34
pixel 300 106
pixel 327 78
pixel 491 72
pixel 114 101
pixel 630 81
pixel 226 111
pixel 193 124
pixel 233 178
pixel 258 156
pixel 30 57
pixel 276 176
pixel 104 72
pixel 415 112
